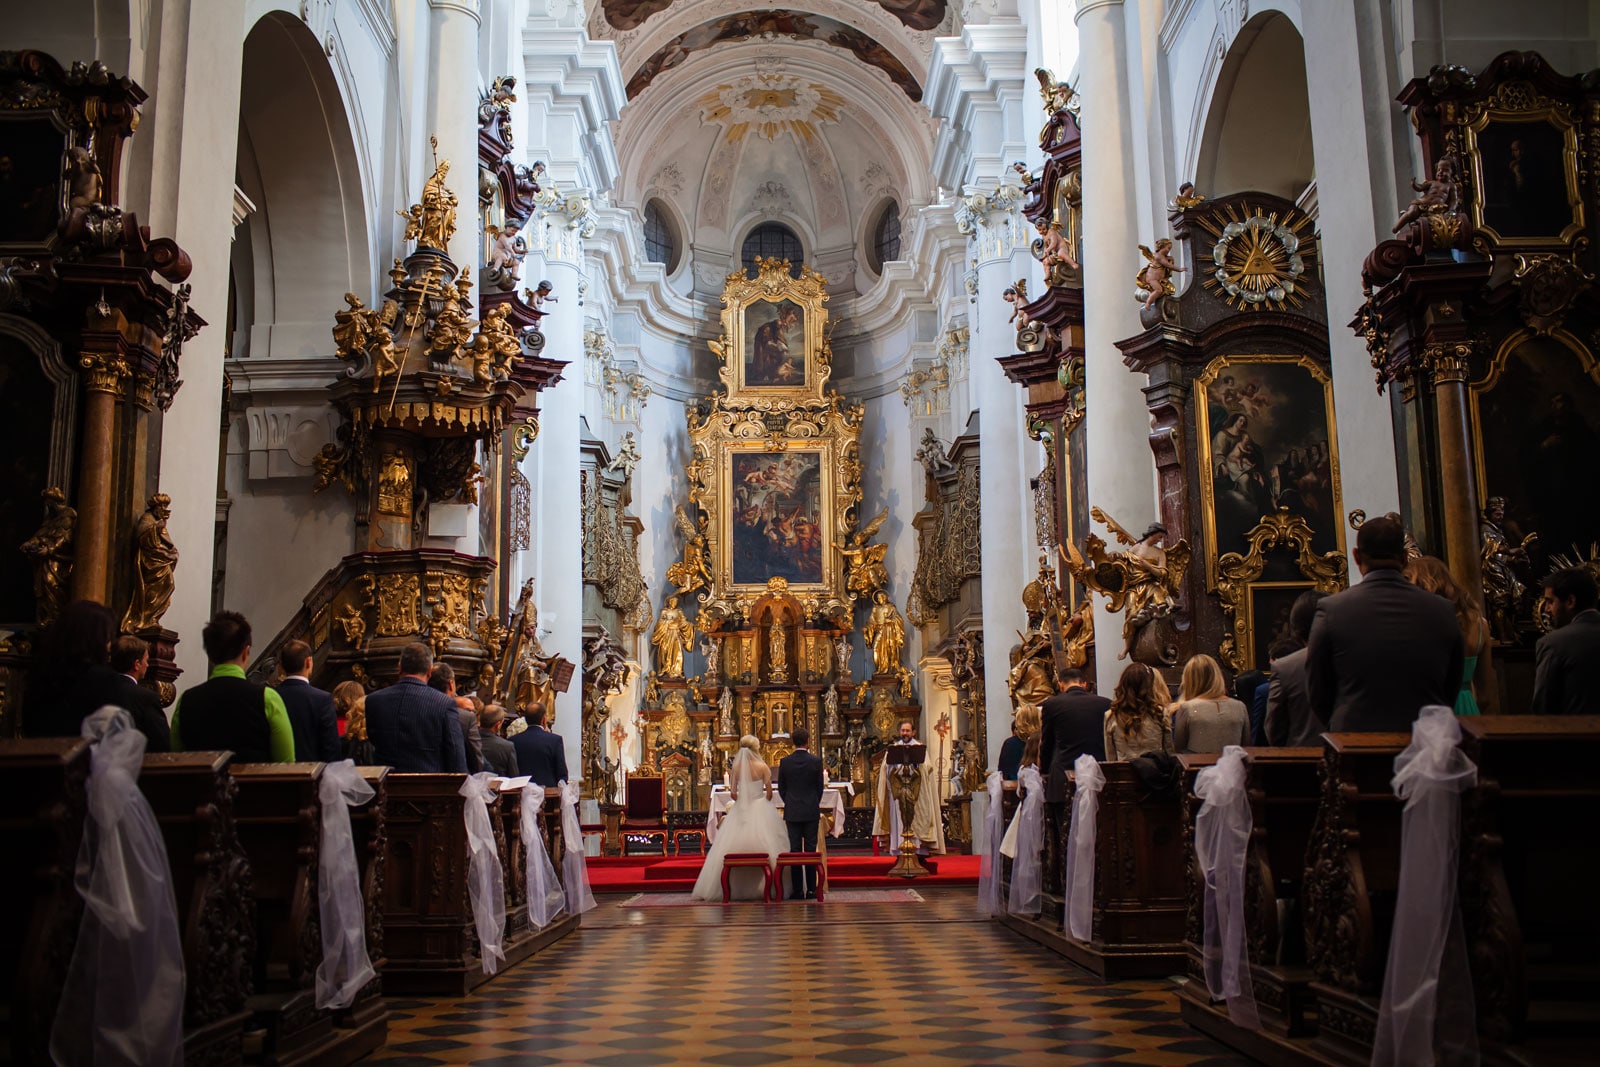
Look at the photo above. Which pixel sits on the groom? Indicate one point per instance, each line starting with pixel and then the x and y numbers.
pixel 800 783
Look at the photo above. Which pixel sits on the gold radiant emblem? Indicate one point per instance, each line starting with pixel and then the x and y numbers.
pixel 1258 260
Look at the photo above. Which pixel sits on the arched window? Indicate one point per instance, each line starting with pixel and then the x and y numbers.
pixel 660 238
pixel 772 240
pixel 886 237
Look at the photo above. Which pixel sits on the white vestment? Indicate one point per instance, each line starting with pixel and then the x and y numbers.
pixel 926 825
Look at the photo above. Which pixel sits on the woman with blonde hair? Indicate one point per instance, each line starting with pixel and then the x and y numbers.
pixel 1023 728
pixel 1477 674
pixel 753 824
pixel 350 705
pixel 1206 718
pixel 1136 722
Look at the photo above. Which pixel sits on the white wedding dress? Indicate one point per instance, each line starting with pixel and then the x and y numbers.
pixel 752 824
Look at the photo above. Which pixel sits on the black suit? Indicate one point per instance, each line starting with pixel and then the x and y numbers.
pixel 148 714
pixel 1072 724
pixel 801 784
pixel 541 755
pixel 313 719
pixel 1567 679
pixel 1380 652
pixel 57 709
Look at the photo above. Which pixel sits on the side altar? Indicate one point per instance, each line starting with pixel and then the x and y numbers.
pixel 778 573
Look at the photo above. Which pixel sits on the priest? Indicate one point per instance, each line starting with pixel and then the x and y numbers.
pixel 926 825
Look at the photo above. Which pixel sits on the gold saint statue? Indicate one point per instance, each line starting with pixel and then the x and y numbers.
pixel 885 634
pixel 671 636
pixel 51 551
pixel 433 222
pixel 777 651
pixel 155 557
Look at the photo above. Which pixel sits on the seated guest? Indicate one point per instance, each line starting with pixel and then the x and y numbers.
pixel 498 753
pixel 1567 678
pixel 311 712
pixel 130 658
pixel 414 728
pixel 1290 720
pixel 1073 725
pixel 1024 726
pixel 1207 719
pixel 1383 649
pixel 1136 721
pixel 350 702
pixel 1477 673
pixel 227 711
pixel 541 755
pixel 443 678
pixel 69 677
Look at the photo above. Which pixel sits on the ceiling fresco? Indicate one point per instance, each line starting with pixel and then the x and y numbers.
pixel 793 24
pixel 914 14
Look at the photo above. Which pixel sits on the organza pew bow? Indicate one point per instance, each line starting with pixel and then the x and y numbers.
pixel 546 898
pixel 1221 841
pixel 345 966
pixel 991 901
pixel 1079 882
pixel 574 870
pixel 486 887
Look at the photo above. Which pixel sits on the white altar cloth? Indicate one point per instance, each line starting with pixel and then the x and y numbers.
pixel 832 799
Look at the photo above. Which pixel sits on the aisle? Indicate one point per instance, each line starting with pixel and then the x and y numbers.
pixel 764 984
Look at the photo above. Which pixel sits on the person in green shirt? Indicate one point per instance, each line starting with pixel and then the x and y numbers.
pixel 228 712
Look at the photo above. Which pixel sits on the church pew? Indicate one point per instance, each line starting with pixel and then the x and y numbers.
pixel 42 807
pixel 192 795
pixel 1139 897
pixel 1529 864
pixel 1352 874
pixel 430 941
pixel 1284 791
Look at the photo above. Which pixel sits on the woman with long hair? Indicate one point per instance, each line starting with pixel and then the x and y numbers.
pixel 1023 727
pixel 350 704
pixel 1206 718
pixel 1477 674
pixel 1136 722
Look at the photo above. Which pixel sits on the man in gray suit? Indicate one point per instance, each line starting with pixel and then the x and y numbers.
pixel 1567 677
pixel 1383 649
pixel 1290 720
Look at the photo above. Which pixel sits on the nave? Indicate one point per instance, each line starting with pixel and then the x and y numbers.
pixel 840 983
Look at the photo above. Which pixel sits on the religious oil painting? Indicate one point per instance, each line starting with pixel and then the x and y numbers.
pixel 1536 424
pixel 1267 440
pixel 777 517
pixel 1270 605
pixel 774 344
pixel 1528 184
pixel 30 180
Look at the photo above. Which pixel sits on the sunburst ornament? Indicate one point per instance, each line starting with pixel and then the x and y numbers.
pixel 770 104
pixel 1258 261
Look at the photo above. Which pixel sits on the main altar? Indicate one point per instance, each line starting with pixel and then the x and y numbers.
pixel 779 574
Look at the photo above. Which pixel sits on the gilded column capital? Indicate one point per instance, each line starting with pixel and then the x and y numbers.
pixel 103 373
pixel 1447 363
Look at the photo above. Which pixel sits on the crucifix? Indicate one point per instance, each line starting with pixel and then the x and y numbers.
pixel 942 728
pixel 619 734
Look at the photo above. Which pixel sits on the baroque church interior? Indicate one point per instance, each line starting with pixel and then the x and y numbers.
pixel 1003 531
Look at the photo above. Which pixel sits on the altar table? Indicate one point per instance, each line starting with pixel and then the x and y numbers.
pixel 832 805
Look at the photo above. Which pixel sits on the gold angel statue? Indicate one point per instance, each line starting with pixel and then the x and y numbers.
pixel 867 574
pixel 1154 279
pixel 885 634
pixel 692 571
pixel 1142 582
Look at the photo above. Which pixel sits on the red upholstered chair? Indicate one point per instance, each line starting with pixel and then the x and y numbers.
pixel 646 812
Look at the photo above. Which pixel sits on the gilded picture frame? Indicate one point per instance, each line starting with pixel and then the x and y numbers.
pixel 1305 402
pixel 774 343
pixel 1523 155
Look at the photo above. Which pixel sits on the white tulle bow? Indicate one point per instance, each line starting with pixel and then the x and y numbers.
pixel 486 887
pixel 545 895
pixel 1221 844
pixel 1026 885
pixel 1079 881
pixel 1420 984
pixel 345 967
pixel 991 901
pixel 574 871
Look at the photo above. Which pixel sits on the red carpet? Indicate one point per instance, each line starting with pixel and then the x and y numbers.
pixel 657 874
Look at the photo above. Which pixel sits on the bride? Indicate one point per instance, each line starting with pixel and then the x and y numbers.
pixel 752 824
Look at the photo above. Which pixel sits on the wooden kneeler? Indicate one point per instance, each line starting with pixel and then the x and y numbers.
pixel 801 859
pixel 747 859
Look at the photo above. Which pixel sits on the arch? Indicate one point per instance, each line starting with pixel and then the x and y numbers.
pixel 1257 132
pixel 307 241
pixel 666 218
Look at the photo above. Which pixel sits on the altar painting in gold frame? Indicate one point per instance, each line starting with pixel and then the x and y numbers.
pixel 1523 155
pixel 774 343
pixel 1267 440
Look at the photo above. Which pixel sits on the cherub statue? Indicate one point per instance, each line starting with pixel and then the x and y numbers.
pixel 51 549
pixel 867 573
pixel 1142 582
pixel 1057 99
pixel 506 249
pixel 692 571
pixel 386 358
pixel 541 295
pixel 627 456
pixel 1436 196
pixel 1154 281
pixel 1016 295
pixel 452 326
pixel 354 624
pixel 502 339
pixel 1187 198
pixel 1052 251
pixel 413 217
pixel 350 328
pixel 931 453
pixel 87 184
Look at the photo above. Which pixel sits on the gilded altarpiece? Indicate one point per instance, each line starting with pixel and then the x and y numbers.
pixel 1245 438
pixel 777 560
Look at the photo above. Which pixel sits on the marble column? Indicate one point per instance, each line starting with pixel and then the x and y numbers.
pixel 1120 470
pixel 105 375
pixel 995 232
pixel 452 115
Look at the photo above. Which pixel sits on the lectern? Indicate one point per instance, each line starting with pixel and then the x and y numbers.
pixel 904 766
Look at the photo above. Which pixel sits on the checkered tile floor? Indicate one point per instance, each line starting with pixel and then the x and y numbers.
pixel 766 984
